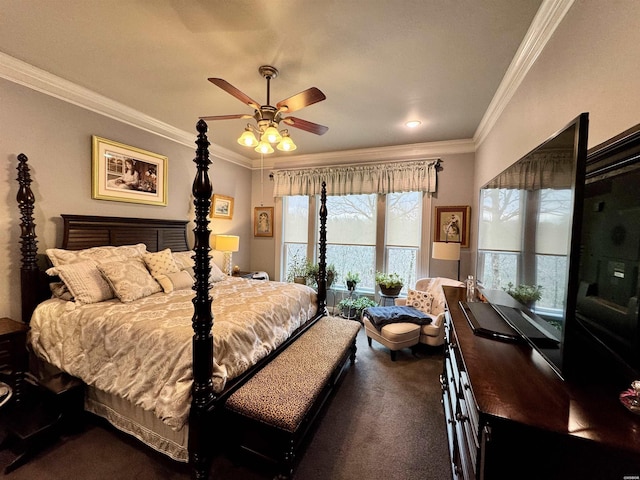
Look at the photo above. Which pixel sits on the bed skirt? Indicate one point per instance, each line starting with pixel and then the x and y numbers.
pixel 139 423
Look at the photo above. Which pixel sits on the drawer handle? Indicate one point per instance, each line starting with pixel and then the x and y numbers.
pixel 461 418
pixel 466 386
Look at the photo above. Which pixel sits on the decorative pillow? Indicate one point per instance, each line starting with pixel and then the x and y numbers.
pixel 185 261
pixel 160 263
pixel 181 280
pixel 59 256
pixel 130 280
pixel 420 300
pixel 84 281
pixel 60 290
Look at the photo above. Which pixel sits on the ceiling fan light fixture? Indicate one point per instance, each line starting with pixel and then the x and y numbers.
pixel 264 147
pixel 286 144
pixel 248 139
pixel 271 135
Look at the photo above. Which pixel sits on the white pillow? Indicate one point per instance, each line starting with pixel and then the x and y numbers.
pixel 84 281
pixel 420 300
pixel 59 256
pixel 130 280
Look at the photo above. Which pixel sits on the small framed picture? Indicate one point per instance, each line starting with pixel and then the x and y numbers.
pixel 263 222
pixel 222 207
pixel 452 225
pixel 122 173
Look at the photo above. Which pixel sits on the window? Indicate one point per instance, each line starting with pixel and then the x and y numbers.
pixel 296 225
pixel 354 225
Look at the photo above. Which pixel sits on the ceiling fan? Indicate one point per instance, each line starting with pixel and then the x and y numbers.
pixel 269 117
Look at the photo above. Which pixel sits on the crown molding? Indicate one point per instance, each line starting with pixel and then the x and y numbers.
pixel 27 75
pixel 549 16
pixel 415 151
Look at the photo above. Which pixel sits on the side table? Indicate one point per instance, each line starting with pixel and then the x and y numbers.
pixel 13 354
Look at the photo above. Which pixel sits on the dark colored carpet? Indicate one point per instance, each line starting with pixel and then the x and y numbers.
pixel 384 422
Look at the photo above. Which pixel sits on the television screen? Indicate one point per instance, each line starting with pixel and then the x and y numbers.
pixel 528 238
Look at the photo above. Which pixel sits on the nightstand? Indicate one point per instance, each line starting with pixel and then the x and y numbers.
pixel 13 354
pixel 250 275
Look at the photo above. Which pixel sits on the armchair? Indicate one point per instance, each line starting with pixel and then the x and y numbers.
pixel 433 334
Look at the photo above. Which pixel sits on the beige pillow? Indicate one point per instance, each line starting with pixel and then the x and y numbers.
pixel 84 281
pixel 181 280
pixel 59 256
pixel 160 263
pixel 185 261
pixel 130 280
pixel 420 300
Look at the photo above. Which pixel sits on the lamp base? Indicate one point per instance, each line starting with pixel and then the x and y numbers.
pixel 227 268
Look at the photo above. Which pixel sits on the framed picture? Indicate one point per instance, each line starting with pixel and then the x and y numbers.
pixel 122 173
pixel 222 207
pixel 452 225
pixel 263 222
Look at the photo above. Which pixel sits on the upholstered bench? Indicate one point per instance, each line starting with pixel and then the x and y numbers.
pixel 272 412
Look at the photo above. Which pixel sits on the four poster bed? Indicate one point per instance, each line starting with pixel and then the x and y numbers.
pixel 165 387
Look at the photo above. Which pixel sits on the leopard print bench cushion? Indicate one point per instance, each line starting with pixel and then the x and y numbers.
pixel 283 392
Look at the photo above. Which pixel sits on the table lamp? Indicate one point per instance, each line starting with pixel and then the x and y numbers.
pixel 227 244
pixel 446 251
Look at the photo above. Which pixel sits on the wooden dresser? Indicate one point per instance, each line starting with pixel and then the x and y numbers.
pixel 509 415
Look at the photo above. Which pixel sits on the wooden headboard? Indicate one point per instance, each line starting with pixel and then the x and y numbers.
pixel 84 231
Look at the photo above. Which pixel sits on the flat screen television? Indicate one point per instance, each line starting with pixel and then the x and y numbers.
pixel 604 341
pixel 528 238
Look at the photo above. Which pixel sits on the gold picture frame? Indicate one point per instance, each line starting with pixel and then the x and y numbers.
pixel 452 225
pixel 263 222
pixel 122 173
pixel 221 207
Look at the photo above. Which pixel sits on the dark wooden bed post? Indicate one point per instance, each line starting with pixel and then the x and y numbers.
pixel 29 272
pixel 322 261
pixel 200 445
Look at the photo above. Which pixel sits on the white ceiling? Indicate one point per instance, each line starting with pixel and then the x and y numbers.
pixel 380 63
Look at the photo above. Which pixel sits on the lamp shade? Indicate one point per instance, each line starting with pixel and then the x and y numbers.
pixel 227 243
pixel 446 251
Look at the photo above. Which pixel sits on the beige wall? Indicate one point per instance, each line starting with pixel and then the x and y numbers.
pixel 589 65
pixel 56 136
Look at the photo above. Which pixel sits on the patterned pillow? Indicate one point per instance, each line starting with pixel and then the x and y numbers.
pixel 420 300
pixel 130 280
pixel 185 261
pixel 181 280
pixel 84 281
pixel 160 263
pixel 59 256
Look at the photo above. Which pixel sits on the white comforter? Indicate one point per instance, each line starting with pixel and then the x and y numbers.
pixel 142 350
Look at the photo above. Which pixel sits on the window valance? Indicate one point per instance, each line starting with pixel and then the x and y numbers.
pixel 537 171
pixel 414 176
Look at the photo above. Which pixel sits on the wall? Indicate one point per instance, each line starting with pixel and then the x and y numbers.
pixel 455 187
pixel 589 65
pixel 56 136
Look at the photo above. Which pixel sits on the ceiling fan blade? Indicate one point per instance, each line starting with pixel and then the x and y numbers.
pixel 300 100
pixel 230 89
pixel 226 117
pixel 306 125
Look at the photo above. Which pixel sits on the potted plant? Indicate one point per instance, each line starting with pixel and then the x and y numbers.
pixel 313 271
pixel 352 279
pixel 525 294
pixel 352 307
pixel 298 269
pixel 390 283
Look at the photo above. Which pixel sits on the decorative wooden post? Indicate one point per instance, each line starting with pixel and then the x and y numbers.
pixel 29 273
pixel 200 445
pixel 322 263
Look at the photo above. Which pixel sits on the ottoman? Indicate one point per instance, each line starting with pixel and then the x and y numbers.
pixel 394 336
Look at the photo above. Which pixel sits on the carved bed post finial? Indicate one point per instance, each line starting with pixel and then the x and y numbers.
pixel 322 264
pixel 28 240
pixel 200 449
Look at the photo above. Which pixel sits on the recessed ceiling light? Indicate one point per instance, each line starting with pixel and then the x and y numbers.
pixel 413 123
